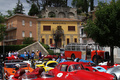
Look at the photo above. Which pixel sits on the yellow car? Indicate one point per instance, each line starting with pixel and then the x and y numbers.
pixel 48 65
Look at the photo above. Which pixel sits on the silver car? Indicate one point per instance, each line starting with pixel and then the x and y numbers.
pixel 115 71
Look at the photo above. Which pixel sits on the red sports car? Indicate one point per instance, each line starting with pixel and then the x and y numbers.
pixel 36 74
pixel 75 71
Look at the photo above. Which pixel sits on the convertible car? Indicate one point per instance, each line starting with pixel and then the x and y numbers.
pixel 75 71
pixel 36 74
pixel 48 65
pixel 9 67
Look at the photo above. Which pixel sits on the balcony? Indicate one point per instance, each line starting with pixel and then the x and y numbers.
pixel 10 38
pixel 11 28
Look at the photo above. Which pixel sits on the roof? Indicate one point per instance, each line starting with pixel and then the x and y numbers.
pixel 57 19
pixel 69 63
pixel 23 15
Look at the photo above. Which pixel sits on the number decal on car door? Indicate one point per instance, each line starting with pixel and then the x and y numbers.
pixel 59 74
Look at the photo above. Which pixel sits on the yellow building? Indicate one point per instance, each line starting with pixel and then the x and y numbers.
pixel 70 28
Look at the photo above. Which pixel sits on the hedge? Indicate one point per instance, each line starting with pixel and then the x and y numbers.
pixel 11 48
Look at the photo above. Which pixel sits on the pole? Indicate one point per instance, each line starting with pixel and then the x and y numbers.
pixel 96 56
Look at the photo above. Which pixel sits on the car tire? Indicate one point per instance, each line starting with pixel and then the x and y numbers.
pixel 94 59
pixel 114 76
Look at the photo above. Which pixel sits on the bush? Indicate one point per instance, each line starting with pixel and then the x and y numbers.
pixel 11 48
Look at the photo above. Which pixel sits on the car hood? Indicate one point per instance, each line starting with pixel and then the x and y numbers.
pixel 87 75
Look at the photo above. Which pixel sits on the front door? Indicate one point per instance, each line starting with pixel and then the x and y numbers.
pixel 60 43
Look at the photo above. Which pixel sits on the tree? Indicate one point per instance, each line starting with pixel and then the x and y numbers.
pixel 34 10
pixel 41 4
pixel 81 4
pixel 28 40
pixel 105 29
pixel 19 8
pixel 58 34
pixel 2 27
pixel 91 5
pixel 10 13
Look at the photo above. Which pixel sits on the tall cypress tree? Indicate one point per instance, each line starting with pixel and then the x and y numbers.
pixel 34 10
pixel 19 8
pixel 91 5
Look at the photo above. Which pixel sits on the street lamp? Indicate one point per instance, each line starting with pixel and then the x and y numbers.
pixel 55 42
pixel 96 54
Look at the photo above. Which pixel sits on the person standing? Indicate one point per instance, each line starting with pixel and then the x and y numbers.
pixel 28 54
pixel 40 55
pixel 9 54
pixel 32 54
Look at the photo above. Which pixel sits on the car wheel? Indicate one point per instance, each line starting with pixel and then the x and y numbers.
pixel 95 59
pixel 72 56
pixel 115 77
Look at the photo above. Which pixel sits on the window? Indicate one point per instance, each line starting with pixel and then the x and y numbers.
pixel 11 24
pixel 23 33
pixel 71 28
pixel 82 31
pixel 23 22
pixel 50 41
pixel 30 34
pixel 75 40
pixel 46 28
pixel 30 23
pixel 68 41
pixel 8 25
pixel 43 41
pixel 64 68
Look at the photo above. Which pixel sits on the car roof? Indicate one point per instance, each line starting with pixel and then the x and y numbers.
pixel 70 63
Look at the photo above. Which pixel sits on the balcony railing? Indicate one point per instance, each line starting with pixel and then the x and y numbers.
pixel 10 37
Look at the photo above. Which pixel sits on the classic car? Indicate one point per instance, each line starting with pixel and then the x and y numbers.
pixel 48 65
pixel 115 71
pixel 75 71
pixel 9 67
pixel 11 58
pixel 36 74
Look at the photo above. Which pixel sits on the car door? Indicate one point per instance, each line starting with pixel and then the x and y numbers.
pixel 62 72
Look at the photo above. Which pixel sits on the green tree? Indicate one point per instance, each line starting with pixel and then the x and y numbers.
pixel 19 8
pixel 2 19
pixel 10 13
pixel 91 5
pixel 57 35
pixel 28 40
pixel 34 10
pixel 2 27
pixel 81 4
pixel 105 29
pixel 41 4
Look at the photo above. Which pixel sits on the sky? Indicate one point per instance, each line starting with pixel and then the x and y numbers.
pixel 10 4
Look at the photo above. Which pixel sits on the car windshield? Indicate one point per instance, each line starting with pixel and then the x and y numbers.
pixel 74 67
pixel 52 65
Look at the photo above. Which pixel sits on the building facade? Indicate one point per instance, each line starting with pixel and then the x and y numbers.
pixel 18 27
pixel 47 25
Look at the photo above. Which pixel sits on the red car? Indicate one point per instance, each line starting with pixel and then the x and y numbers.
pixel 36 74
pixel 75 71
pixel 12 58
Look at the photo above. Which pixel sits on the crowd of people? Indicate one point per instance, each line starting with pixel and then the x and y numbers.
pixel 27 54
